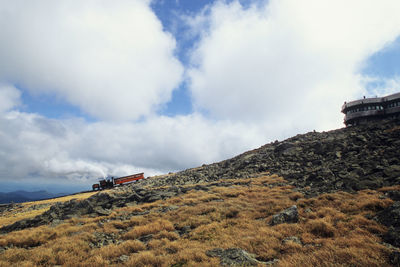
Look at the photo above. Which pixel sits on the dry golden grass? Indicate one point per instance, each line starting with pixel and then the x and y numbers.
pixel 26 211
pixel 332 228
pixel 9 218
pixel 61 199
pixel 149 228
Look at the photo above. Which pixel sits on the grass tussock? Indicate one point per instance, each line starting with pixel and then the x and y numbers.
pixel 333 230
pixel 149 228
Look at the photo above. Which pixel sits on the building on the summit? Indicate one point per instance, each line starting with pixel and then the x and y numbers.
pixel 367 109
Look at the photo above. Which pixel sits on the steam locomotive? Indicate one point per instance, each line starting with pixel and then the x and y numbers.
pixel 110 182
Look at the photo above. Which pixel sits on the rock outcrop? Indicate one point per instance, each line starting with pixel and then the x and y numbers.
pixel 100 204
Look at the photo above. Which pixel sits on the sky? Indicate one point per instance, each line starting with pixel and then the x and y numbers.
pixel 94 87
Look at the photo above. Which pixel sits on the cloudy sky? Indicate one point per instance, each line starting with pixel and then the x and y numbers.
pixel 95 87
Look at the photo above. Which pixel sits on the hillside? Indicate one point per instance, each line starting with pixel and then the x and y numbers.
pixel 317 199
pixel 349 159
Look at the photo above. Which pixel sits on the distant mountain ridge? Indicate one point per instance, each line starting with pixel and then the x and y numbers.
pixel 20 196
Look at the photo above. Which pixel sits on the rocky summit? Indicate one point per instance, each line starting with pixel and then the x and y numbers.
pixel 348 159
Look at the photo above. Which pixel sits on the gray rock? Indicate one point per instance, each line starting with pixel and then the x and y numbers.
pixel 101 212
pixel 169 208
pixel 146 238
pixel 183 230
pixel 289 215
pixel 103 239
pixel 233 257
pixel 293 239
pixel 123 258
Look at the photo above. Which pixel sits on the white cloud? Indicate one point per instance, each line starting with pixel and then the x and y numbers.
pixel 109 58
pixel 262 73
pixel 9 97
pixel 287 63
pixel 33 146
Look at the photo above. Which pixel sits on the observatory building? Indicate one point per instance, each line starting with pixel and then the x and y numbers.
pixel 368 109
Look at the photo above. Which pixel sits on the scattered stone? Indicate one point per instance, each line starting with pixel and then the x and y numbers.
pixel 146 238
pixel 234 257
pixel 103 239
pixel 183 230
pixel 169 208
pixel 289 215
pixel 293 239
pixel 101 212
pixel 123 258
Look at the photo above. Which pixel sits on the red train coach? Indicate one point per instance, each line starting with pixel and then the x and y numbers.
pixel 111 182
pixel 128 179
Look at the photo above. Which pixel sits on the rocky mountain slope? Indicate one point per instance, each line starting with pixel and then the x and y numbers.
pixel 332 196
pixel 349 159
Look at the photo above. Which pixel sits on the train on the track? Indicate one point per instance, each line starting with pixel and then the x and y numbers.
pixel 368 109
pixel 110 182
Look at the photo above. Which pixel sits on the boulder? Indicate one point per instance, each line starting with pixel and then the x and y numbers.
pixel 289 215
